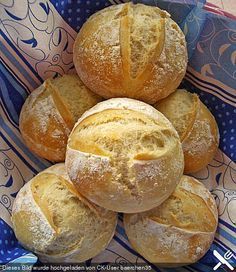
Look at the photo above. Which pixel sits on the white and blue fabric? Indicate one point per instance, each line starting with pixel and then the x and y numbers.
pixel 36 39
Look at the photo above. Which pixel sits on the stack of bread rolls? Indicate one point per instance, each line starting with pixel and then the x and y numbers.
pixel 121 154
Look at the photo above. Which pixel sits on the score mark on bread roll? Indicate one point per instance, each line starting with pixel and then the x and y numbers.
pixel 60 105
pixel 136 68
pixel 180 230
pixel 53 220
pixel 124 155
pixel 195 125
pixel 50 112
pixel 131 50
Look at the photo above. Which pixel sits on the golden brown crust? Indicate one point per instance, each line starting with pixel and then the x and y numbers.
pixel 53 220
pixel 39 122
pixel 66 115
pixel 180 230
pixel 201 144
pixel 144 58
pixel 124 155
pixel 50 112
pixel 195 125
pixel 181 109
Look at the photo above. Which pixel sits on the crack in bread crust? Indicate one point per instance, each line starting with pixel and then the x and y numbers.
pixel 123 150
pixel 50 112
pixel 131 50
pixel 135 69
pixel 180 230
pixel 66 115
pixel 61 225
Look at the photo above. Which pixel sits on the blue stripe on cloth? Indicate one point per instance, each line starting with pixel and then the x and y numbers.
pixel 18 154
pixel 11 134
pixel 226 235
pixel 13 60
pixel 19 90
pixel 12 94
pixel 5 97
pixel 116 238
pixel 209 88
pixel 7 115
pixel 227 225
pixel 20 68
pixel 20 82
pixel 121 231
pixel 213 85
pixel 220 242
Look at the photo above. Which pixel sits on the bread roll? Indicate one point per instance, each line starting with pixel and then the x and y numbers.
pixel 53 220
pixel 129 50
pixel 50 112
pixel 124 156
pixel 195 125
pixel 180 230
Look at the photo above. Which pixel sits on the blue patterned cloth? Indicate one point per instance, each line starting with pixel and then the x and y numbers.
pixel 36 39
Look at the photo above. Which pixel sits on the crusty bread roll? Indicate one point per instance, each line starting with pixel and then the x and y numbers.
pixel 53 220
pixel 195 125
pixel 129 50
pixel 124 155
pixel 50 112
pixel 180 230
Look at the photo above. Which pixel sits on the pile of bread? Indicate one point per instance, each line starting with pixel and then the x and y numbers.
pixel 121 154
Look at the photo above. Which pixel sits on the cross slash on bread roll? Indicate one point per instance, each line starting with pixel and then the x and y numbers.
pixel 129 50
pixel 180 230
pixel 124 155
pixel 53 220
pixel 195 125
pixel 50 112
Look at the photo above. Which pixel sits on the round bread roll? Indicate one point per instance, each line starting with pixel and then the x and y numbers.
pixel 124 155
pixel 53 220
pixel 50 112
pixel 129 50
pixel 180 230
pixel 195 125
